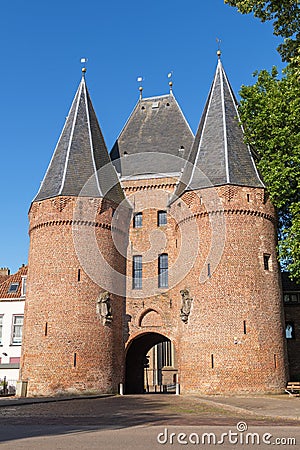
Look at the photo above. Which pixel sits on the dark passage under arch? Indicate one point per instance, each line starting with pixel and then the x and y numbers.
pixel 135 359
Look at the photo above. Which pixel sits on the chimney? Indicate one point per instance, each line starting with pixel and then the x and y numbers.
pixel 4 272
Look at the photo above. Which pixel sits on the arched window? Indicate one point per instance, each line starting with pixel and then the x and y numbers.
pixel 163 270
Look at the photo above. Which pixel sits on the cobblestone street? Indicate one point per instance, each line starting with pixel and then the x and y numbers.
pixel 135 421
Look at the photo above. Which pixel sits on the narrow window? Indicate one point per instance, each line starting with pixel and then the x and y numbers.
pixel 290 330
pixel 275 361
pixel 161 218
pixel 138 220
pixel 212 361
pixel 46 328
pixel 267 261
pixel 75 360
pixel 291 297
pixel 17 330
pixel 208 270
pixel 23 287
pixel 245 327
pixel 78 275
pixel 1 325
pixel 163 270
pixel 166 353
pixel 137 272
pixel 248 197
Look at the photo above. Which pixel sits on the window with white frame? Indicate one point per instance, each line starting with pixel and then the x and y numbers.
pixel 23 287
pixel 13 287
pixel 1 325
pixel 17 330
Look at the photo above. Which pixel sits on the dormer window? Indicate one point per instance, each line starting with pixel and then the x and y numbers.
pixel 13 287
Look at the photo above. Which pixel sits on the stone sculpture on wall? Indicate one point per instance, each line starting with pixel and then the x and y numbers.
pixel 104 308
pixel 186 305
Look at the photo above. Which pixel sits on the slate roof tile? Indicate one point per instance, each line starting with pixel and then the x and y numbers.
pixel 80 159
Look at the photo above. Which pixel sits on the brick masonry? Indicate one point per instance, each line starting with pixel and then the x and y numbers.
pixel 216 240
pixel 66 347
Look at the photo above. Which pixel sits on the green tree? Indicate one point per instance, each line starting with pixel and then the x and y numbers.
pixel 285 15
pixel 270 112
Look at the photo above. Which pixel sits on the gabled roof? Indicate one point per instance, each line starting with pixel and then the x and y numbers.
pixel 219 151
pixel 156 125
pixel 15 279
pixel 79 154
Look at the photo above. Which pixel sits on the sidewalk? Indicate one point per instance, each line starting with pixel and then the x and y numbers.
pixel 277 406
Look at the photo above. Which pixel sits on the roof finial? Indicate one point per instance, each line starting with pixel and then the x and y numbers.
pixel 83 61
pixel 219 48
pixel 170 82
pixel 140 80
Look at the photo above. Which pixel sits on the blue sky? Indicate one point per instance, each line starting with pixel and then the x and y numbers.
pixel 41 46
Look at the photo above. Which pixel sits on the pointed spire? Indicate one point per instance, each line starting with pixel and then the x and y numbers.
pixel 219 150
pixel 79 154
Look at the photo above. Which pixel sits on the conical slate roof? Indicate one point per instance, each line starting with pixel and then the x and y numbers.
pixel 79 155
pixel 219 155
pixel 156 125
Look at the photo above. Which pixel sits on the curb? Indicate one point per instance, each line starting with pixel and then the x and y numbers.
pixel 9 401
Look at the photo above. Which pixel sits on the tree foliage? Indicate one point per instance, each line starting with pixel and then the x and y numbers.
pixel 285 15
pixel 270 112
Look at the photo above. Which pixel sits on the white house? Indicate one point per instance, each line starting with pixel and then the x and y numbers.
pixel 12 300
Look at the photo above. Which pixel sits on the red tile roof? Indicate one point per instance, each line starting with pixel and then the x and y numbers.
pixel 14 278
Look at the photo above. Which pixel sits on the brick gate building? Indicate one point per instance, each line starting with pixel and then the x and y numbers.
pixel 171 239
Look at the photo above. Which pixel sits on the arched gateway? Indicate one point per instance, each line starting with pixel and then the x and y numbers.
pixel 153 372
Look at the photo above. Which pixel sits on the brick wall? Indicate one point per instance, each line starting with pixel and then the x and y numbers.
pixel 216 240
pixel 66 346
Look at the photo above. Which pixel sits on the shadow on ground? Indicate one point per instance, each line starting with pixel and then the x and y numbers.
pixel 86 415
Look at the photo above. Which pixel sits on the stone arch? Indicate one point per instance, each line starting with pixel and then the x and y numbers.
pixel 150 318
pixel 136 352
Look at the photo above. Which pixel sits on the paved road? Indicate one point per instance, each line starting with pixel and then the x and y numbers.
pixel 136 422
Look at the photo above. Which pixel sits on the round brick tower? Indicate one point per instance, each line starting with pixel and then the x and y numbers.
pixel 75 300
pixel 233 334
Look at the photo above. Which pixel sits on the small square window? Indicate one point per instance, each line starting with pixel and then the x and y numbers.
pixel 162 218
pixel 291 297
pixel 13 287
pixel 138 220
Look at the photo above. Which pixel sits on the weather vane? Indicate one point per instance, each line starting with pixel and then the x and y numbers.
pixel 219 47
pixel 140 80
pixel 170 74
pixel 83 62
